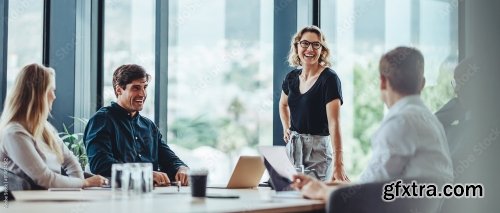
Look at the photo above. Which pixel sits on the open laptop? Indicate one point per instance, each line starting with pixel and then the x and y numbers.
pixel 246 174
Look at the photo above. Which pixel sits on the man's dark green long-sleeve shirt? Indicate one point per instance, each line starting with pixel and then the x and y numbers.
pixel 113 136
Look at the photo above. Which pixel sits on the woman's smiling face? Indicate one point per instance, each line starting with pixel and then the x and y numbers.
pixel 309 48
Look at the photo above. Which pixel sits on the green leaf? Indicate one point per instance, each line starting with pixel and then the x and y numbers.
pixel 65 137
pixel 74 141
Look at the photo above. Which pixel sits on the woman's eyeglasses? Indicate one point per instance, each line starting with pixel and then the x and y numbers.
pixel 305 44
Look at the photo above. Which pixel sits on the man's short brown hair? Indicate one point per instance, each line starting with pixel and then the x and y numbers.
pixel 404 68
pixel 127 73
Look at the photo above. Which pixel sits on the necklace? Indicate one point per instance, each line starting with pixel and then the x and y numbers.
pixel 303 77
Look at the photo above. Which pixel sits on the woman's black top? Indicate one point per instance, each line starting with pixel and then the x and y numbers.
pixel 308 110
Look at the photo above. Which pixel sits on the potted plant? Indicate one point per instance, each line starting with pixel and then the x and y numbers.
pixel 74 142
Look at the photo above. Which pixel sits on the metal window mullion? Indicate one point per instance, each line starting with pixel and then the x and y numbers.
pixel 4 23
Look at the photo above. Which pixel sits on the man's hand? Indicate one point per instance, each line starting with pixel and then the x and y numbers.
pixel 310 187
pixel 299 180
pixel 160 179
pixel 315 190
pixel 182 176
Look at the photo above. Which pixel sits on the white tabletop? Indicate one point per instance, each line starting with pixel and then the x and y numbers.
pixel 165 199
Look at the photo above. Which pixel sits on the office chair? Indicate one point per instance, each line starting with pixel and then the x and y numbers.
pixel 364 198
pixel 16 183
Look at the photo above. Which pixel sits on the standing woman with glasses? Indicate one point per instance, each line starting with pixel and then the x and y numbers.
pixel 310 106
pixel 29 145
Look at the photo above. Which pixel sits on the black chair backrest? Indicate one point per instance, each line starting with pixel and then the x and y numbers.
pixel 14 182
pixel 367 197
pixel 17 183
pixel 7 193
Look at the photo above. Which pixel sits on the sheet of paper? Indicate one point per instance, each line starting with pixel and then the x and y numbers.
pixel 277 157
pixel 288 194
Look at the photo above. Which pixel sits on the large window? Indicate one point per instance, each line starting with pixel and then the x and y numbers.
pixel 219 81
pixel 25 36
pixel 129 36
pixel 359 32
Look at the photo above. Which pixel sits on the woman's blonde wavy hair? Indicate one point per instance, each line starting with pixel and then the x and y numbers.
pixel 293 56
pixel 27 104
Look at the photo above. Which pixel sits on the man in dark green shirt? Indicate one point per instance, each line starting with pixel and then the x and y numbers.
pixel 119 134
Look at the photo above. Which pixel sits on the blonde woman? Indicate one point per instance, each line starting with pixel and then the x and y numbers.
pixel 29 145
pixel 310 105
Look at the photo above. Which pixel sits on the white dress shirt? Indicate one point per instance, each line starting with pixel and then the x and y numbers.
pixel 410 143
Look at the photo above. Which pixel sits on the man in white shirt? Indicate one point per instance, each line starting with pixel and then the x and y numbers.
pixel 410 142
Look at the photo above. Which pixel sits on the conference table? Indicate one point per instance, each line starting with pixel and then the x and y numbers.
pixel 162 199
